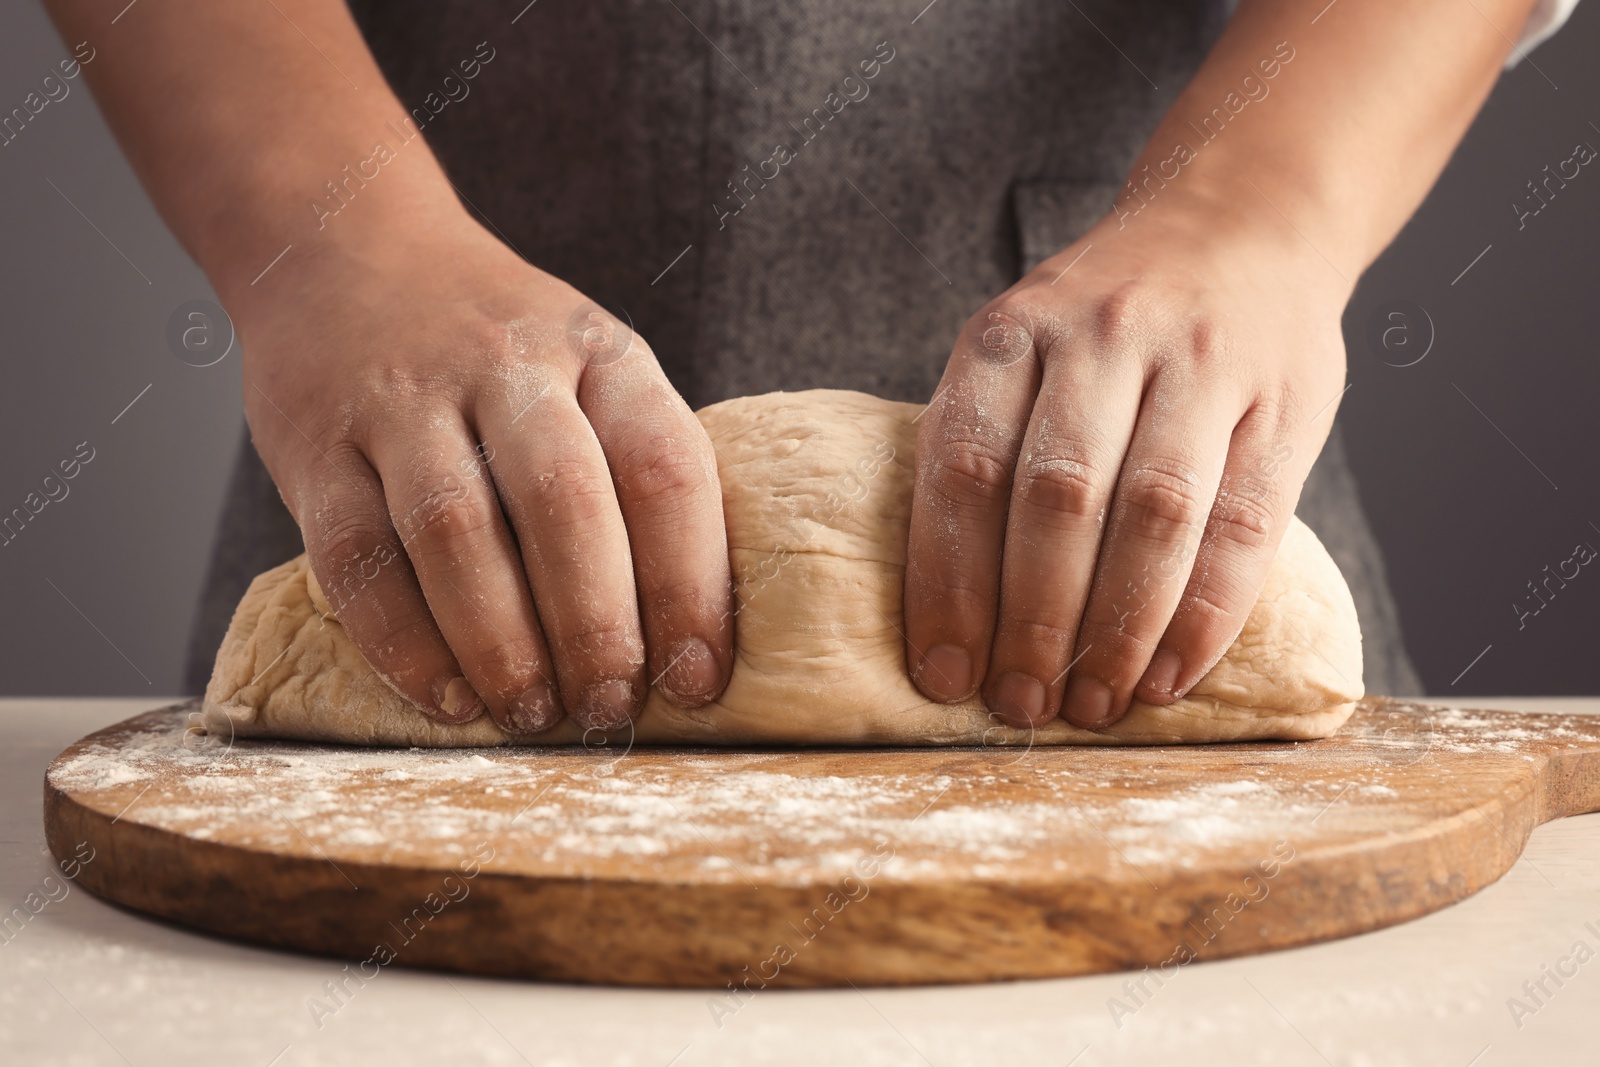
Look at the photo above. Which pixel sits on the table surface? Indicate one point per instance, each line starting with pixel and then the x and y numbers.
pixel 83 982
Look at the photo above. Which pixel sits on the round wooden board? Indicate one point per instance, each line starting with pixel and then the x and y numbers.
pixel 690 867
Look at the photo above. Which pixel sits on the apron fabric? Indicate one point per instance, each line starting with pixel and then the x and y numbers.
pixel 632 148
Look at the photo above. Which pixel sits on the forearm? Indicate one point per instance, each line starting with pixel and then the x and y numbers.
pixel 235 121
pixel 1335 129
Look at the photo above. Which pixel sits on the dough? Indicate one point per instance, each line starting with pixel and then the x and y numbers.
pixel 817 492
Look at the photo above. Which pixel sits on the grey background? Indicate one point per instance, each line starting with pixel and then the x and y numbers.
pixel 1470 503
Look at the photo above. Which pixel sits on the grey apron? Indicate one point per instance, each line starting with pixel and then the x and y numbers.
pixel 631 147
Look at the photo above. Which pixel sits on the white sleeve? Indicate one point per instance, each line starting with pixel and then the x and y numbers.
pixel 1544 20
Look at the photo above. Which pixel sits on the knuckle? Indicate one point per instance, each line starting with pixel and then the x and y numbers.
pixel 1016 305
pixel 349 538
pixel 1211 615
pixel 391 627
pixel 395 635
pixel 1163 501
pixel 381 386
pixel 495 339
pixel 1108 647
pixel 350 556
pixel 1018 309
pixel 970 473
pixel 1208 343
pixel 1277 409
pixel 949 600
pixel 568 491
pixel 954 601
pixel 1061 487
pixel 1121 314
pixel 318 467
pixel 1209 609
pixel 1135 605
pixel 629 350
pixel 660 469
pixel 1007 330
pixel 447 520
pixel 510 662
pixel 1050 635
pixel 601 645
pixel 500 367
pixel 695 598
pixel 1247 517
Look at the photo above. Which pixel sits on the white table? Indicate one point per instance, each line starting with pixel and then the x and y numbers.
pixel 87 983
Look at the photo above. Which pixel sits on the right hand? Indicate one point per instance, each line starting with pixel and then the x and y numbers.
pixel 505 502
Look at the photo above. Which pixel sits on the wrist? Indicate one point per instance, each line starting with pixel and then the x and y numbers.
pixel 1228 222
pixel 316 213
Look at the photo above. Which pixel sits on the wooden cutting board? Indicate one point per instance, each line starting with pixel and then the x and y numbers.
pixel 816 867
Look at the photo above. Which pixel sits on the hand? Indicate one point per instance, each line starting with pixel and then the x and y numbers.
pixel 504 501
pixel 1110 461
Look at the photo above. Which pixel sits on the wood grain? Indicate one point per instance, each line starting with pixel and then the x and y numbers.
pixel 803 868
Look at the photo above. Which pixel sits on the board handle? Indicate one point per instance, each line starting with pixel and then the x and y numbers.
pixel 1570 780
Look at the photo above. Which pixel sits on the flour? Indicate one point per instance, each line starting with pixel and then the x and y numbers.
pixel 720 818
pixel 727 817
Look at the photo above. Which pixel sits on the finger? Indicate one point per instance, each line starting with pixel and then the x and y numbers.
pixel 665 474
pixel 1164 493
pixel 368 581
pixel 444 508
pixel 967 447
pixel 1259 488
pixel 553 481
pixel 1080 429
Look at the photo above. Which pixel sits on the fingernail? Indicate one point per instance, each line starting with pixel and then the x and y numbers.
pixel 456 700
pixel 1087 703
pixel 1018 699
pixel 535 711
pixel 605 705
pixel 692 673
pixel 946 672
pixel 1161 677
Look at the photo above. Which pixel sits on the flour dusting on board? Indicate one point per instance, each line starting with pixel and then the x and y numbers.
pixel 727 816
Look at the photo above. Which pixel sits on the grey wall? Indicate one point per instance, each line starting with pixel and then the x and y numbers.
pixel 1471 503
pixel 99 588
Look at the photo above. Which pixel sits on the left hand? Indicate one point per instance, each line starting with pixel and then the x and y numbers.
pixel 1111 459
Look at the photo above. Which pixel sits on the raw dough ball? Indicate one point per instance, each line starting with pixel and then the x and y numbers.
pixel 817 491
